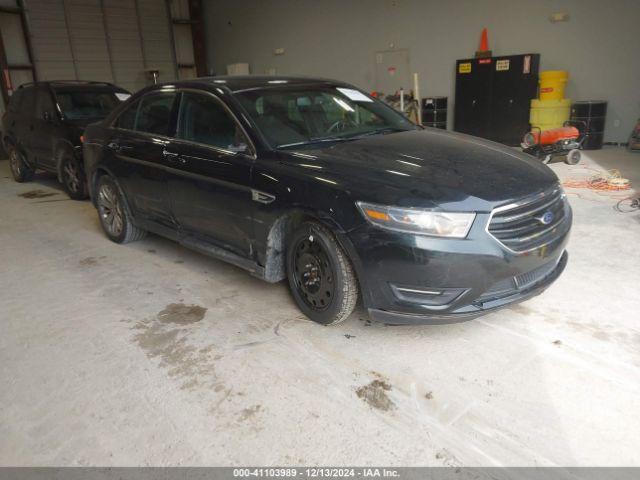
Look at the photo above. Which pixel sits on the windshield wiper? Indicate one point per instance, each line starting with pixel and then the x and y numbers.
pixel 315 140
pixel 379 131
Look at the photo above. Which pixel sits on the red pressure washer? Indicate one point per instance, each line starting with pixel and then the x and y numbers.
pixel 546 144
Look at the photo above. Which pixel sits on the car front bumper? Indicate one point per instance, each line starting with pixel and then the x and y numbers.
pixel 473 310
pixel 413 279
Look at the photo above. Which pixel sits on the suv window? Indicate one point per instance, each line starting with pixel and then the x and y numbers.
pixel 154 113
pixel 86 104
pixel 44 103
pixel 204 119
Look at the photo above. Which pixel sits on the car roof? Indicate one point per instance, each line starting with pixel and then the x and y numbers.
pixel 237 83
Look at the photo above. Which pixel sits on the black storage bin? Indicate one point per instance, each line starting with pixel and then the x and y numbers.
pixel 589 118
pixel 493 96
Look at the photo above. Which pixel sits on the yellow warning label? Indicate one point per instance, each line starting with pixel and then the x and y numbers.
pixel 502 65
pixel 464 68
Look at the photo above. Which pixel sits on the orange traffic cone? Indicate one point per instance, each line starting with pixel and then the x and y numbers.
pixel 483 51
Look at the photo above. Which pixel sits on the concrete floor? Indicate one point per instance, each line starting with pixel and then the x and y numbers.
pixel 150 354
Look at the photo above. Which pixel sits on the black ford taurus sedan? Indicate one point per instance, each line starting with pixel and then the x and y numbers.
pixel 315 181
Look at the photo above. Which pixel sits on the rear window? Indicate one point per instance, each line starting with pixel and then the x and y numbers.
pixel 87 104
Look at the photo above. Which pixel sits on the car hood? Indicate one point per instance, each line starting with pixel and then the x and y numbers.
pixel 426 168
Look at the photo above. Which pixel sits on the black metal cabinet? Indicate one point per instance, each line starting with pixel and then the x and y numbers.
pixel 493 96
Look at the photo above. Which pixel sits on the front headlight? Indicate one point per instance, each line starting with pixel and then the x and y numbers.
pixel 418 220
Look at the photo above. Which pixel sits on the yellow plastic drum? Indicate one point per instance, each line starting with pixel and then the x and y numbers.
pixel 547 114
pixel 552 83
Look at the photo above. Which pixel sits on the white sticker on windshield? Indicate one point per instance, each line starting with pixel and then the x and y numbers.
pixel 354 95
pixel 122 96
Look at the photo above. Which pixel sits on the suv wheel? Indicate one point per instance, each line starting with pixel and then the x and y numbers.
pixel 19 169
pixel 320 274
pixel 73 177
pixel 113 213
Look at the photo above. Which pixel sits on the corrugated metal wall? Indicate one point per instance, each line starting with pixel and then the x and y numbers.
pixel 105 40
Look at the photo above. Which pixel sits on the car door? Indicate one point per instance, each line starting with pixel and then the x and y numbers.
pixel 45 125
pixel 210 182
pixel 139 138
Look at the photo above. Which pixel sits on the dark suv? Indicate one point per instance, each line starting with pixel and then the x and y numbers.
pixel 44 121
pixel 315 181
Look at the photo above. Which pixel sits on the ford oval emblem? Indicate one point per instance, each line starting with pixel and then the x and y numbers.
pixel 547 218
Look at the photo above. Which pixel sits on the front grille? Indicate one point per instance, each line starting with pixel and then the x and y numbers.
pixel 520 226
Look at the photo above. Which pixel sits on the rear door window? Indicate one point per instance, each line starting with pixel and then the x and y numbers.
pixel 127 119
pixel 154 113
pixel 203 119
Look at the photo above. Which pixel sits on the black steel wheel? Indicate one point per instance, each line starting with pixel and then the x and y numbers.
pixel 73 178
pixel 313 274
pixel 19 169
pixel 321 277
pixel 114 216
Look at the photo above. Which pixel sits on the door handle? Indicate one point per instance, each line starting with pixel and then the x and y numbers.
pixel 115 146
pixel 169 155
pixel 173 157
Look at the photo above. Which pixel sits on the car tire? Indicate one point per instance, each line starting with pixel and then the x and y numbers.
pixel 19 169
pixel 321 277
pixel 114 214
pixel 73 177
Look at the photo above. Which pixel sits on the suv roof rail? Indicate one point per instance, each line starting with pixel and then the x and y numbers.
pixel 66 82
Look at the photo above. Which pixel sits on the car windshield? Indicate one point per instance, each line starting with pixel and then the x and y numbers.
pixel 79 105
pixel 296 116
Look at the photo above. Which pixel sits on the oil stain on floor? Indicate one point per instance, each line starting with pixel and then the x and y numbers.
pixel 91 261
pixel 37 194
pixel 375 394
pixel 181 314
pixel 163 338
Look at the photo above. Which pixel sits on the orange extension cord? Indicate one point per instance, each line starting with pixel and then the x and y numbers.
pixel 606 183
